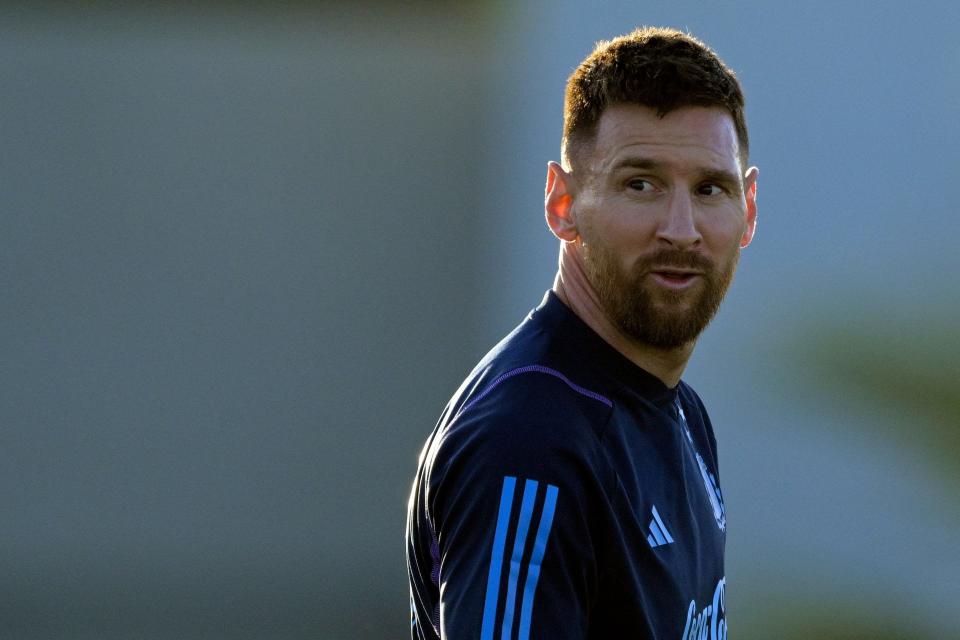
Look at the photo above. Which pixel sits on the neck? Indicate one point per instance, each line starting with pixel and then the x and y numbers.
pixel 574 289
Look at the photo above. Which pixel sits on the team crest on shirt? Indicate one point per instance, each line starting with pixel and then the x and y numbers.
pixel 713 492
pixel 709 480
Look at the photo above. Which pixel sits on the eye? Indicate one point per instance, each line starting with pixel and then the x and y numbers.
pixel 638 184
pixel 709 189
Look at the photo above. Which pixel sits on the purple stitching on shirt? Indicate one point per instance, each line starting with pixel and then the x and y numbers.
pixel 435 556
pixel 435 577
pixel 539 369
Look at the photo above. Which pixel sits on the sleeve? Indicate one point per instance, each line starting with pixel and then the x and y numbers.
pixel 514 489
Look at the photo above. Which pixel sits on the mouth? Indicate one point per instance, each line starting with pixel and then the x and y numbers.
pixel 675 278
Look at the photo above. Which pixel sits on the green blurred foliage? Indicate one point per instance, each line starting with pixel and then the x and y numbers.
pixel 814 620
pixel 907 367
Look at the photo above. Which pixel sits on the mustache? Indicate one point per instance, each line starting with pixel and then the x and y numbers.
pixel 673 258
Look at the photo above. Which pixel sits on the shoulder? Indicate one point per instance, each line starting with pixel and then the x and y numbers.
pixel 690 398
pixel 536 390
pixel 530 426
pixel 531 407
pixel 692 403
pixel 529 379
pixel 524 420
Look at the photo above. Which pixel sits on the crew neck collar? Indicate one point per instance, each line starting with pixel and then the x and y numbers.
pixel 583 342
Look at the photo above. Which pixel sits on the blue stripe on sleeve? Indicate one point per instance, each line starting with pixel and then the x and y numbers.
pixel 523 525
pixel 536 558
pixel 496 558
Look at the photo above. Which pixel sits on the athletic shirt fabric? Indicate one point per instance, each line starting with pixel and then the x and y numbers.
pixel 567 494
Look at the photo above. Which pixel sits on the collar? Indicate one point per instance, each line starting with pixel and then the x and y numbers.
pixel 584 344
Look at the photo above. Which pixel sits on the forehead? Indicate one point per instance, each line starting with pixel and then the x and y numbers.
pixel 705 136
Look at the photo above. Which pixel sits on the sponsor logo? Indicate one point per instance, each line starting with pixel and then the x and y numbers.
pixel 711 622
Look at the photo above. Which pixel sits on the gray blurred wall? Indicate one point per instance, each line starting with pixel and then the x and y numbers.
pixel 237 258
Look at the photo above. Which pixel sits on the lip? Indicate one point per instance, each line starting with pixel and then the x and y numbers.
pixel 675 278
pixel 676 271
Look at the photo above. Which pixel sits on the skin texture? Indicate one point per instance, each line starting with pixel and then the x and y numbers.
pixel 651 222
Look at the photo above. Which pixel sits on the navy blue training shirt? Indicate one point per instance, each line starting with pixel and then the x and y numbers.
pixel 567 494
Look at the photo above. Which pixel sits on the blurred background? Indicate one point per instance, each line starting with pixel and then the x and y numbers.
pixel 248 251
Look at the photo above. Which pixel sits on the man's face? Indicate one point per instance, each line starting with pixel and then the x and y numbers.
pixel 662 208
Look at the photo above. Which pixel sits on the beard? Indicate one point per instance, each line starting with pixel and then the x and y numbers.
pixel 651 314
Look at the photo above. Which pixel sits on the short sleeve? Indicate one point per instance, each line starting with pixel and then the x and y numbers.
pixel 514 487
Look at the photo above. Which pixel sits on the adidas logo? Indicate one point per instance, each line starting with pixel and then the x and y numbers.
pixel 658 535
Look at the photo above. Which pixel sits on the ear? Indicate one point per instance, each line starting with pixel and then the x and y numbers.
pixel 750 191
pixel 557 203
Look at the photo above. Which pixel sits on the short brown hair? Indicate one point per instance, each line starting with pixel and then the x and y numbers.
pixel 656 67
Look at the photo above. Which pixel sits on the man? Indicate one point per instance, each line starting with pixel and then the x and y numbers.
pixel 571 488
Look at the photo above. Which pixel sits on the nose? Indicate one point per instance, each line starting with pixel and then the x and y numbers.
pixel 678 227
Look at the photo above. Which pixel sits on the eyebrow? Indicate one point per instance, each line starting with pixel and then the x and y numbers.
pixel 710 174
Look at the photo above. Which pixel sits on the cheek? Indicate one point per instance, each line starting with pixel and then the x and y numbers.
pixel 621 250
pixel 622 231
pixel 608 254
pixel 723 235
pixel 627 235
